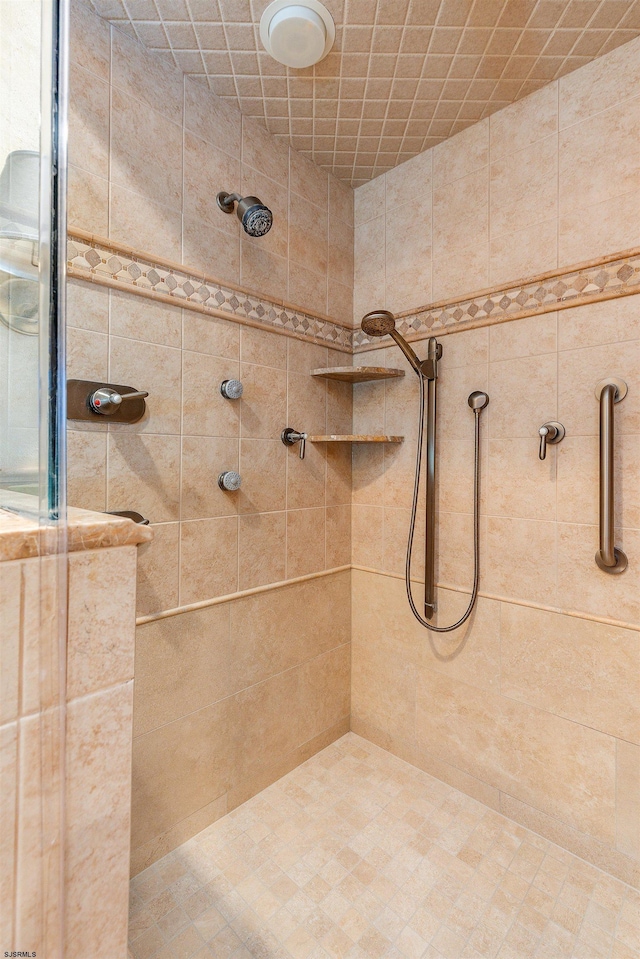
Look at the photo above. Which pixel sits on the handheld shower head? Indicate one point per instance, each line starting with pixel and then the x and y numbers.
pixel 381 323
pixel 378 323
pixel 256 218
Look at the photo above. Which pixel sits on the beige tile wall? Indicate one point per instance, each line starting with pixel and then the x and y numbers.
pixel 526 705
pixel 549 181
pixel 245 691
pixel 238 693
pixel 149 149
pixel 100 647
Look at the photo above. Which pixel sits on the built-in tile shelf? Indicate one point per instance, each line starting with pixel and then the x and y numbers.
pixel 357 374
pixel 355 438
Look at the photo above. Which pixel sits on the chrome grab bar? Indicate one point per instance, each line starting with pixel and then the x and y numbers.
pixel 608 558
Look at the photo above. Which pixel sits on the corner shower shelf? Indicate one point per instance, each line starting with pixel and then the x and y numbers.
pixel 354 438
pixel 357 374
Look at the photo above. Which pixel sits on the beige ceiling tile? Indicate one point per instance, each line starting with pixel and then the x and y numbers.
pixel 549 13
pixel 454 13
pixel 485 13
pixel 235 10
pixel 357 39
pixel 416 39
pixel 410 65
pixel 561 42
pixel 518 68
pixel 444 40
pixel 491 67
pixel 631 19
pixel 403 74
pixel 590 43
pixel 172 9
pixel 383 65
pixel 386 40
pixel 437 67
pixel 503 41
pixel 361 11
pixel 224 86
pixel 609 14
pixel 189 61
pixel 152 35
pixel 374 108
pixel 391 11
pixel 577 13
pixel 464 67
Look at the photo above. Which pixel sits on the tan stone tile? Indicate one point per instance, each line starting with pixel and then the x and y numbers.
pixel 264 402
pixel 88 121
pixel 100 646
pixel 146 223
pixel 578 373
pixel 462 154
pixel 213 119
pixel 574 668
pixel 195 648
pixel 524 188
pixel 137 163
pixel 207 170
pixel 98 830
pixel 584 587
pixel 609 225
pixel 208 249
pixel 150 465
pixel 205 412
pixel 517 482
pixel 158 570
pixel 627 793
pixel 261 549
pixel 87 306
pixel 263 348
pixel 89 40
pixel 524 122
pixel 305 541
pixel 181 767
pixel 211 335
pixel 204 458
pixel 525 252
pixel 217 539
pixel 513 767
pixel 87 201
pixel 146 77
pixel 161 368
pixel 613 78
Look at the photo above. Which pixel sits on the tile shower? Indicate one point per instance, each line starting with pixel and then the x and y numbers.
pixel 313 774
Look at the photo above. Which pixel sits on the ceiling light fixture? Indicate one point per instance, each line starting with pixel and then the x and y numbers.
pixel 297 34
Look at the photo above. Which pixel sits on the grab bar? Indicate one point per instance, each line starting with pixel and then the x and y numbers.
pixel 609 558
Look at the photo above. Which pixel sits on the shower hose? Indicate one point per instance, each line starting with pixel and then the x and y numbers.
pixel 476 522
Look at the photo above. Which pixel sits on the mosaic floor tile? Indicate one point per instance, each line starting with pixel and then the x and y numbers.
pixel 358 855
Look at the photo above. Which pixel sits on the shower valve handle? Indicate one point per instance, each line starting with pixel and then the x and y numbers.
pixel 551 433
pixel 107 401
pixel 290 437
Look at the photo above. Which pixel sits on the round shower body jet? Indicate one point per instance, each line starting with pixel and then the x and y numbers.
pixel 256 218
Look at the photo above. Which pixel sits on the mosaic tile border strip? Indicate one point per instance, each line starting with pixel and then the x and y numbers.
pixel 101 261
pixel 602 279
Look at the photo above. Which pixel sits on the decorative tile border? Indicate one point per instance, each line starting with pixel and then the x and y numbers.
pixel 101 261
pixel 603 279
pixel 105 262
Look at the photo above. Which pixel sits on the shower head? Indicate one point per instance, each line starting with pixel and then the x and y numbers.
pixel 256 218
pixel 381 323
pixel 378 323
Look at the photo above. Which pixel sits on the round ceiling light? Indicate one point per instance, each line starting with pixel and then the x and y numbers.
pixel 297 34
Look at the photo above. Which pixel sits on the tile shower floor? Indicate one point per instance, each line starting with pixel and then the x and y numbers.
pixel 358 854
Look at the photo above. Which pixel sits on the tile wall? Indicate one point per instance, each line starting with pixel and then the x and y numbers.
pixel 100 651
pixel 549 181
pixel 532 707
pixel 149 150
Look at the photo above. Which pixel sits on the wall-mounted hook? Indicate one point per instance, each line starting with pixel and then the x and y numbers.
pixel 290 437
pixel 551 433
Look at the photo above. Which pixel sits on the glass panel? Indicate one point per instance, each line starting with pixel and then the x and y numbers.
pixel 32 590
